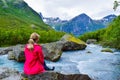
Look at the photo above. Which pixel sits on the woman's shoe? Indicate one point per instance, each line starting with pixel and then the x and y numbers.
pixel 53 68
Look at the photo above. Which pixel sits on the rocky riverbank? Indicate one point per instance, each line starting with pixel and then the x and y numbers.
pixel 11 74
pixel 52 51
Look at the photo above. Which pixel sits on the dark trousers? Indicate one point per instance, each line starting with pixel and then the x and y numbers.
pixel 46 67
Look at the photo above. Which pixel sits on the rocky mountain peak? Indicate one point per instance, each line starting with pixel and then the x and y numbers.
pixel 82 17
pixel 111 16
pixel 108 18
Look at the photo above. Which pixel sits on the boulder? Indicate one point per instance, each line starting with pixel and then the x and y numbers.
pixel 11 55
pixel 9 74
pixel 50 75
pixel 91 41
pixel 17 53
pixel 52 51
pixel 107 50
pixel 72 43
pixel 4 51
pixel 88 52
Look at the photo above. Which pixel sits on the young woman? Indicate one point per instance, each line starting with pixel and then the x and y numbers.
pixel 34 58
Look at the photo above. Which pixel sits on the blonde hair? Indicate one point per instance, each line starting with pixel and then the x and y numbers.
pixel 34 37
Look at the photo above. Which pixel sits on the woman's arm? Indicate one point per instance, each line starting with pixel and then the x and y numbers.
pixel 41 56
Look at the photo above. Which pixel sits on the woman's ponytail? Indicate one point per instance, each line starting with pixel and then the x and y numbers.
pixel 34 37
pixel 30 44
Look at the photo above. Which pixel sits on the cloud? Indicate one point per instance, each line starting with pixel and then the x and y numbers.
pixel 67 9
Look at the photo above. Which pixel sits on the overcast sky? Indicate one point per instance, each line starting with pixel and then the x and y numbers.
pixel 67 9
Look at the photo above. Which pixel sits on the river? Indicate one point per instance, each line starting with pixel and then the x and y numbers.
pixel 98 65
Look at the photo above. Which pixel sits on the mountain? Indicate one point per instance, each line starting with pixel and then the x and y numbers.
pixel 83 23
pixel 80 24
pixel 17 14
pixel 55 23
pixel 107 19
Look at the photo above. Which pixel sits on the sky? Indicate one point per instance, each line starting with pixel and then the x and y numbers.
pixel 68 9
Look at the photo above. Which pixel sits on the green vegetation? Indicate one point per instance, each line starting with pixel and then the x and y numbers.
pixel 21 36
pixel 17 14
pixel 112 34
pixel 98 35
pixel 18 21
pixel 109 36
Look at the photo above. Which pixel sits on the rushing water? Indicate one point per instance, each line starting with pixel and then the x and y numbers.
pixel 98 65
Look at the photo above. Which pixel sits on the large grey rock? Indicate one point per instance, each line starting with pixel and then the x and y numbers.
pixel 49 75
pixel 5 50
pixel 72 43
pixel 52 51
pixel 9 74
pixel 17 53
pixel 12 74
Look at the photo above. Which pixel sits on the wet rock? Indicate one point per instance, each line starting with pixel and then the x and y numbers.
pixel 88 52
pixel 4 51
pixel 107 50
pixel 50 75
pixel 91 41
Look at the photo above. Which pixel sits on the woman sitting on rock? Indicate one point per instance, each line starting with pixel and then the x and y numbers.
pixel 34 63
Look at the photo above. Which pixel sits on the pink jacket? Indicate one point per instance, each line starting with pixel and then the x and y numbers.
pixel 34 60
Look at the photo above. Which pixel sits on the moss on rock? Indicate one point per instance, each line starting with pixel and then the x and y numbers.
pixel 106 50
pixel 76 40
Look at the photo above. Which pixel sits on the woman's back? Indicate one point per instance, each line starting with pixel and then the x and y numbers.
pixel 34 60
